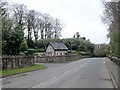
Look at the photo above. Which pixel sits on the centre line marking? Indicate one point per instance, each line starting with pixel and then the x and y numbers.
pixel 81 65
pixel 66 71
pixel 53 78
pixel 41 83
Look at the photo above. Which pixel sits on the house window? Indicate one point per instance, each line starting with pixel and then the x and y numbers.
pixel 57 54
pixel 61 54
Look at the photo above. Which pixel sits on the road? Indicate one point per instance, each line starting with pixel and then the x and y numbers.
pixel 85 73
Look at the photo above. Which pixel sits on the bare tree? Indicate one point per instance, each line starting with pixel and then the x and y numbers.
pixel 112 19
pixel 42 29
pixel 3 9
pixel 37 24
pixel 29 24
pixel 77 35
pixel 57 28
pixel 6 21
pixel 19 16
pixel 40 24
pixel 48 25
pixel 33 24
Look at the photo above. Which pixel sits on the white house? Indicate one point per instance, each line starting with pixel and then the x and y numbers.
pixel 56 49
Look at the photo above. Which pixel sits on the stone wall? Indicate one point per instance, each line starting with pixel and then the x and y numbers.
pixel 17 61
pixel 58 59
pixel 115 60
pixel 20 61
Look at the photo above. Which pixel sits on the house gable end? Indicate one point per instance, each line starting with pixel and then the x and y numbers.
pixel 50 48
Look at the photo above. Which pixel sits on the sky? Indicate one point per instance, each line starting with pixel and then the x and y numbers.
pixel 83 16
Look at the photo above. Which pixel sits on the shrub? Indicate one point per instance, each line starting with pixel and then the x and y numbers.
pixel 23 46
pixel 25 52
pixel 11 41
pixel 100 53
pixel 83 53
pixel 30 43
pixel 30 51
pixel 40 50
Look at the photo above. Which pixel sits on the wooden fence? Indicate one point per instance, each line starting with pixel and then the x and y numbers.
pixel 17 61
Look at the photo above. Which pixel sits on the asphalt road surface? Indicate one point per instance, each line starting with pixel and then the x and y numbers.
pixel 85 73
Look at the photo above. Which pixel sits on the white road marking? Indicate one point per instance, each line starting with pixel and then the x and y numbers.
pixel 81 65
pixel 53 78
pixel 38 85
pixel 66 71
pixel 104 62
pixel 42 84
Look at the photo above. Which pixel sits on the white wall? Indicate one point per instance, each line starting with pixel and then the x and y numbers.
pixel 59 53
pixel 50 51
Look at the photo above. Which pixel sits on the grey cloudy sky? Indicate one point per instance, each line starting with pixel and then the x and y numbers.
pixel 81 16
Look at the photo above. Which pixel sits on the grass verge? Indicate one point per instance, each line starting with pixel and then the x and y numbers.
pixel 10 72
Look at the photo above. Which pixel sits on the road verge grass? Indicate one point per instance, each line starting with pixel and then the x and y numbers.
pixel 10 72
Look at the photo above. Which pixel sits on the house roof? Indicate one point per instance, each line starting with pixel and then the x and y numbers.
pixel 58 46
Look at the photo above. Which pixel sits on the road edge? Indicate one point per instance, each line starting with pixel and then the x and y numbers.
pixel 20 74
pixel 112 78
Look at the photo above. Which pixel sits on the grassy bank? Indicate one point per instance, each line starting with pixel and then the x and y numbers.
pixel 9 72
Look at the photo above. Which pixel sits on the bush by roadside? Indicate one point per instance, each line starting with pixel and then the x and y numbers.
pixel 32 51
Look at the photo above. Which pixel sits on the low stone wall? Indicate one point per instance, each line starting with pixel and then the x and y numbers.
pixel 115 60
pixel 58 59
pixel 17 61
